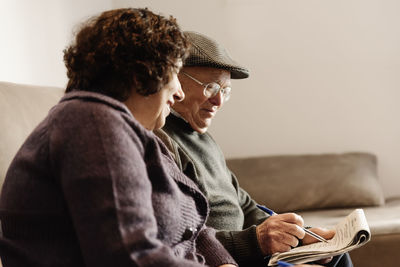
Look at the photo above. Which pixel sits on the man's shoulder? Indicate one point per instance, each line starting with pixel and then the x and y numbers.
pixel 175 124
pixel 166 139
pixel 172 146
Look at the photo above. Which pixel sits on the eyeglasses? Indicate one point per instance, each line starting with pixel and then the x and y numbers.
pixel 212 89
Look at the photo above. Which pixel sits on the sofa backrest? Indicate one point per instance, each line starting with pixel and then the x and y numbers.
pixel 308 182
pixel 22 107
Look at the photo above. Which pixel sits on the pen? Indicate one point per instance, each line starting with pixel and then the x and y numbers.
pixel 284 264
pixel 271 212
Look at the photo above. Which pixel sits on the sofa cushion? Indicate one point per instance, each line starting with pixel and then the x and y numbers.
pixel 22 107
pixel 382 220
pixel 304 182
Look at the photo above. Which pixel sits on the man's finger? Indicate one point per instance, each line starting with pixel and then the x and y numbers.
pixel 293 230
pixel 281 224
pixel 325 261
pixel 325 233
pixel 291 218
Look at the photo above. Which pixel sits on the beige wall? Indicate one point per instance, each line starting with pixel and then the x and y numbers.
pixel 34 34
pixel 324 74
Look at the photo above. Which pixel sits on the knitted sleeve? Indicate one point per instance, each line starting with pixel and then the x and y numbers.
pixel 213 251
pixel 252 214
pixel 243 245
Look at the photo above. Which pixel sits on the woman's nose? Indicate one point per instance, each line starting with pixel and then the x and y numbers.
pixel 179 94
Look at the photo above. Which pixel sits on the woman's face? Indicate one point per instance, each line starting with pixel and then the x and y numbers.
pixel 152 110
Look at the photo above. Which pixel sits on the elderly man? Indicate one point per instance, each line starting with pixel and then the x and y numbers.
pixel 248 234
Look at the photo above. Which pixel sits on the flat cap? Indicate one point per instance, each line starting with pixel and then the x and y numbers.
pixel 206 52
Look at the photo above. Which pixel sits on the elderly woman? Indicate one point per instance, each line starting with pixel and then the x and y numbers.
pixel 92 185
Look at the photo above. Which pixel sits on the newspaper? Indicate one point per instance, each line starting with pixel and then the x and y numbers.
pixel 352 232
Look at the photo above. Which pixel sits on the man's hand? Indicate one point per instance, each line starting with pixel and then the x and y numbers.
pixel 307 265
pixel 279 233
pixel 325 233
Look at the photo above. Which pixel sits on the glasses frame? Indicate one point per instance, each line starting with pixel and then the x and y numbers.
pixel 225 92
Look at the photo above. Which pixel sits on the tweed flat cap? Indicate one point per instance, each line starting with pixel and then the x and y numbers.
pixel 206 52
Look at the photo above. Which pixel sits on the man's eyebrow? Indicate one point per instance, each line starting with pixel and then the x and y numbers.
pixel 228 84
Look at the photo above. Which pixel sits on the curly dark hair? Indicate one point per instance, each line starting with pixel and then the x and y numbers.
pixel 123 49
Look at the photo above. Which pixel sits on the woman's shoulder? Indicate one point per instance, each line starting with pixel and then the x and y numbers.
pixel 82 106
pixel 85 109
pixel 90 107
pixel 84 101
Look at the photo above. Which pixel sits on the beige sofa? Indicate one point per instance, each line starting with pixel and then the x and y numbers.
pixel 22 107
pixel 323 188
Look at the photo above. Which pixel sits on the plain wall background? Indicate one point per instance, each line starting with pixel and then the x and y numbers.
pixel 34 34
pixel 325 75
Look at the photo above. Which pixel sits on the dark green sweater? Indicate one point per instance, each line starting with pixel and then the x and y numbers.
pixel 232 211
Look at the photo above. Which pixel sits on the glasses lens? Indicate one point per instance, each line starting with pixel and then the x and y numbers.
pixel 211 89
pixel 226 92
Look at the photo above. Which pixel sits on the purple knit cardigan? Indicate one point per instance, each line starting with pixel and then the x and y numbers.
pixel 92 187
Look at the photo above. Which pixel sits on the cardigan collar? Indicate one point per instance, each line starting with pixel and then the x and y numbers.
pixel 98 97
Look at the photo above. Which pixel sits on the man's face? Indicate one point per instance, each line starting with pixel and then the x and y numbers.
pixel 196 108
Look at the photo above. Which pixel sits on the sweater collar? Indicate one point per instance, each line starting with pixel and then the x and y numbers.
pixel 176 119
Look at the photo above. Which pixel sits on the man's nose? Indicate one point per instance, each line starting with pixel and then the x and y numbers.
pixel 179 94
pixel 217 100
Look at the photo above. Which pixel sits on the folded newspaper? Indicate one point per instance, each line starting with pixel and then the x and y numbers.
pixel 352 232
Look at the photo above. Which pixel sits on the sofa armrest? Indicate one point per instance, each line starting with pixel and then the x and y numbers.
pixel 22 107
